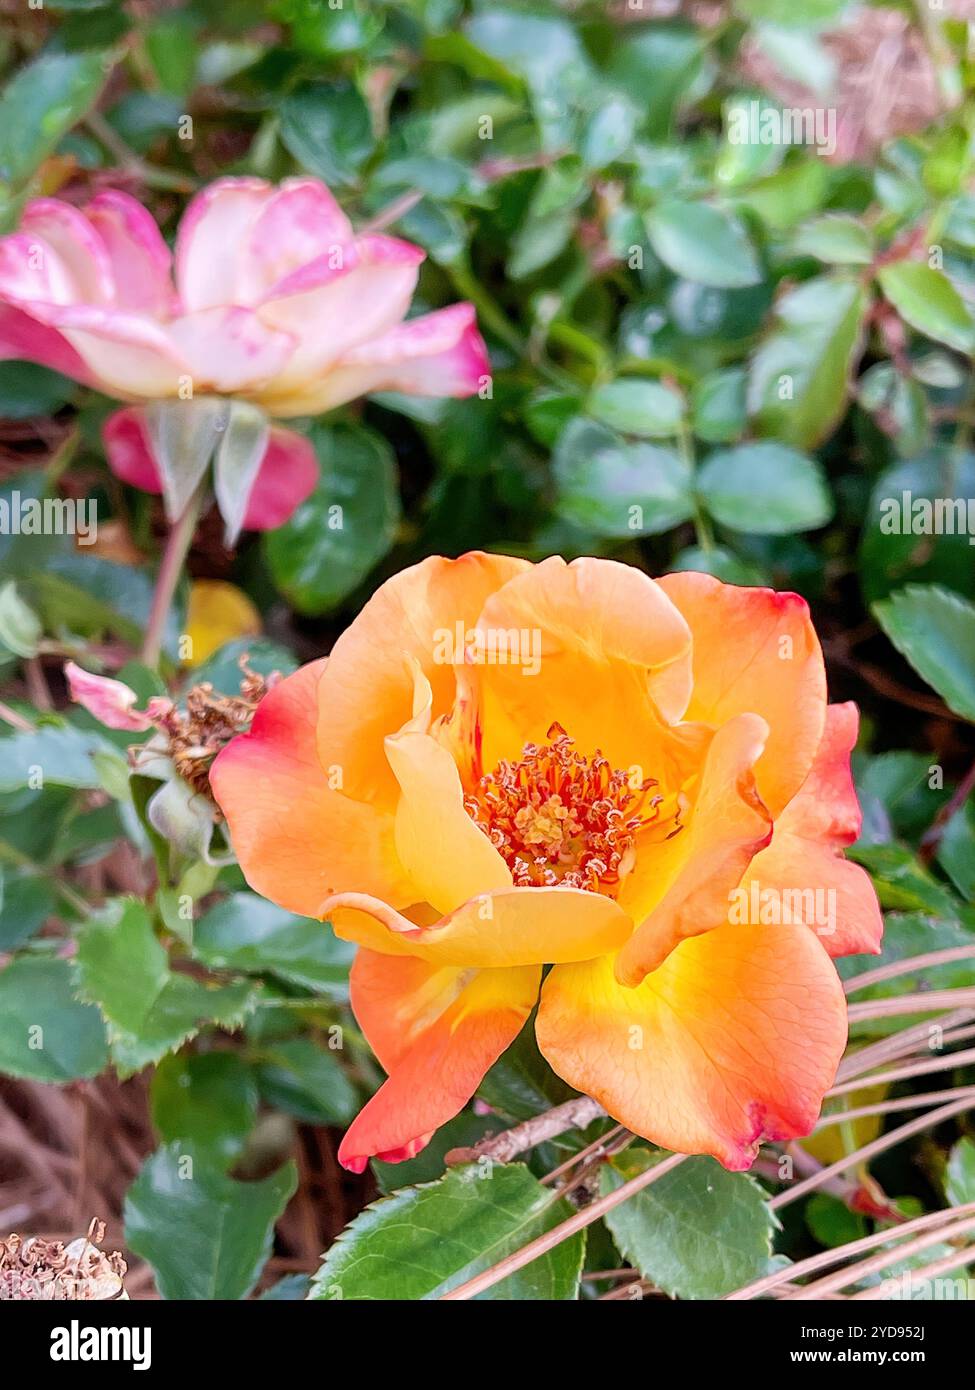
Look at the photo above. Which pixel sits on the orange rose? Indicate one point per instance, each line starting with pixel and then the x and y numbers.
pixel 504 766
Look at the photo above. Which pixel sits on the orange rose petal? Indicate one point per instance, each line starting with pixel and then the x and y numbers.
pixel 367 689
pixel 756 651
pixel 727 825
pixel 733 1040
pixel 436 1031
pixel 511 926
pixel 612 651
pixel 806 852
pixel 296 839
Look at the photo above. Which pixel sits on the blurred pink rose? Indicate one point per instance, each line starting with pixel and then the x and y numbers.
pixel 269 297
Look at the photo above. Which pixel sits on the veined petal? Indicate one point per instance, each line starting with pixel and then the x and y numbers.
pixel 298 840
pixel 367 691
pixel 511 926
pixel 734 1039
pixel 804 869
pixel 727 825
pixel 436 1031
pixel 438 354
pixel 755 651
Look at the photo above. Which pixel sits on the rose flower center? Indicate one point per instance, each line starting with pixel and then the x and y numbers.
pixel 558 817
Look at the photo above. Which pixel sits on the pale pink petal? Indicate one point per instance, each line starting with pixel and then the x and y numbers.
pixel 32 272
pixel 67 232
pixel 331 309
pixel 128 354
pixel 111 702
pixel 301 223
pixel 212 239
pixel 26 340
pixel 287 476
pixel 140 259
pixel 438 354
pixel 229 349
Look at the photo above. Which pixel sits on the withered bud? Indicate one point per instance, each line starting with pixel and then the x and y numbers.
pixel 32 1268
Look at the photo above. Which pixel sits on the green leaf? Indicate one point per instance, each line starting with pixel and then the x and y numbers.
pixel 326 127
pixel 634 405
pixel 26 901
pixel 20 628
pixel 53 755
pixel 718 410
pixel 799 380
pixel 245 932
pixel 766 489
pixel 463 1131
pixel 521 1083
pixel 698 1232
pixel 149 1009
pixel 42 101
pixel 307 1081
pixel 906 935
pixel 609 487
pixel 424 1241
pixel 206 1102
pixel 206 1236
pixel 927 300
pixel 893 551
pixel 836 239
pixel 27 389
pixel 960 1178
pixel 956 850
pixel 901 882
pixel 935 630
pixel 46 1034
pixel 345 527
pixel 702 244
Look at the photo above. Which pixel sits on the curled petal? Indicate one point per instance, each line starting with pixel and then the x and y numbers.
pixel 111 702
pixel 297 838
pixel 728 825
pixel 804 869
pixel 438 354
pixel 511 926
pixel 755 651
pixel 436 1031
pixel 734 1039
pixel 369 685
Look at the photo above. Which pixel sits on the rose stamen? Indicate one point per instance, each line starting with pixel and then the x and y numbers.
pixel 560 818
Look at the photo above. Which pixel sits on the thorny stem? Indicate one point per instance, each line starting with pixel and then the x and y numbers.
pixel 578 1113
pixel 177 548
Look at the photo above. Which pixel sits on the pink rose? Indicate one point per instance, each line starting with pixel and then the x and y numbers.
pixel 270 299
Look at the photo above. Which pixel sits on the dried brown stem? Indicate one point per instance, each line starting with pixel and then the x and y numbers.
pixel 578 1113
